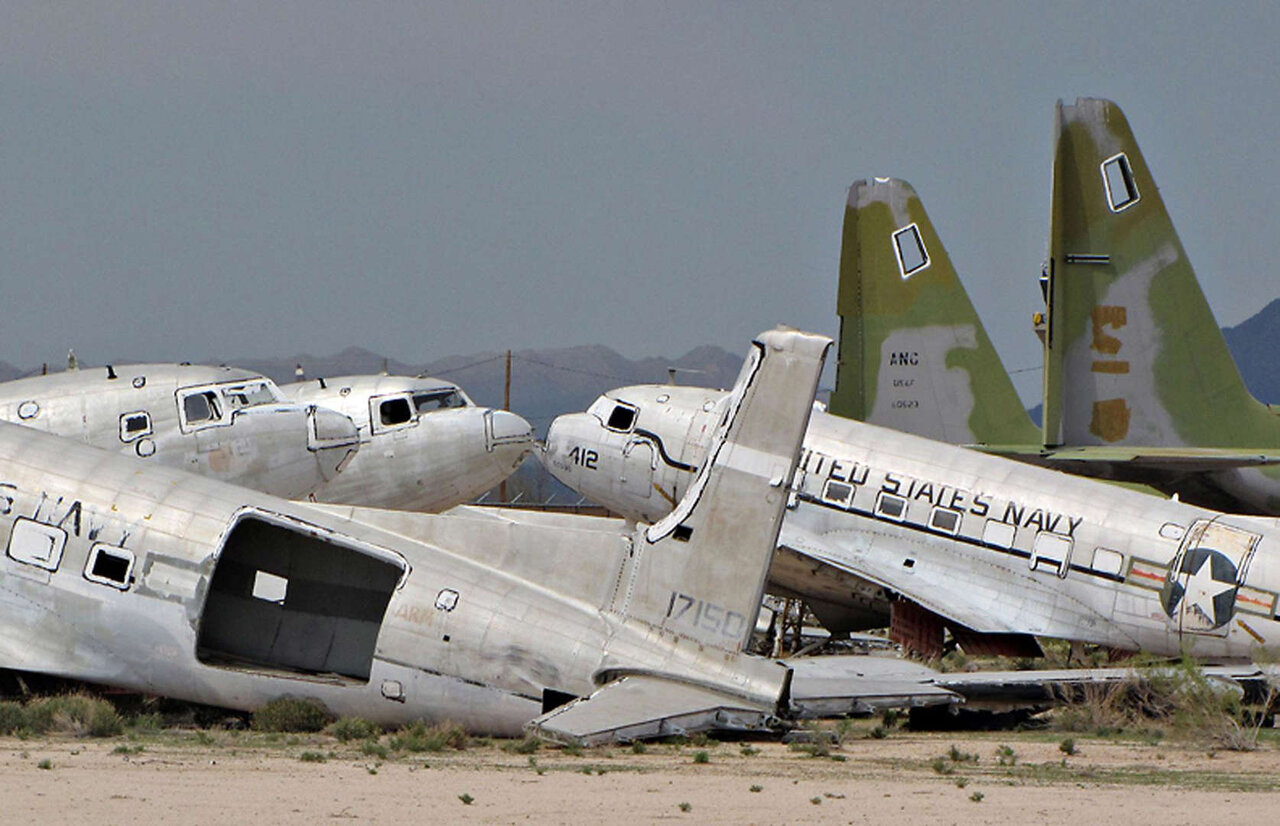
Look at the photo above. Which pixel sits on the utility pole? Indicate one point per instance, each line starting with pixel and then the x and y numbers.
pixel 506 405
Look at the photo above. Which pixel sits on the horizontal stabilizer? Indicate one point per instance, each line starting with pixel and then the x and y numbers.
pixel 641 707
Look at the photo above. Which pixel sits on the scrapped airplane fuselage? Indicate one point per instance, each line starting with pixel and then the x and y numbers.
pixel 424 444
pixel 990 544
pixel 220 422
pixel 156 580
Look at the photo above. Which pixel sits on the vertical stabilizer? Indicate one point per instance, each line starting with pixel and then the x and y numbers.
pixel 913 353
pixel 700 572
pixel 1133 355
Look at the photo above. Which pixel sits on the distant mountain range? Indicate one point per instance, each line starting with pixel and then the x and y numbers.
pixel 546 383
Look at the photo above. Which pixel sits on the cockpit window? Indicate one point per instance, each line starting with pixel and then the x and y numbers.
pixel 201 407
pixel 249 394
pixel 622 417
pixel 438 400
pixel 394 411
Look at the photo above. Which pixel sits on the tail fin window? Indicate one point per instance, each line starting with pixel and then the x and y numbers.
pixel 910 250
pixel 1122 191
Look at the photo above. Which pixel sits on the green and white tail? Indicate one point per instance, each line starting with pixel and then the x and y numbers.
pixel 913 353
pixel 1133 355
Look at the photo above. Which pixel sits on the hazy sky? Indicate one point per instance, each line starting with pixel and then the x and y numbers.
pixel 195 180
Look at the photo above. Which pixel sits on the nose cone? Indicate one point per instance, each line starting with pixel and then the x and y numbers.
pixel 554 454
pixel 509 437
pixel 332 436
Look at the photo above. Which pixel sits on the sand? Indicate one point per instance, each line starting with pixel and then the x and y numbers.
pixel 227 778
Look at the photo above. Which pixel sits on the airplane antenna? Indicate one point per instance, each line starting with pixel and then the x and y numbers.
pixel 384 366
pixel 671 373
pixel 111 372
pixel 71 360
pixel 323 386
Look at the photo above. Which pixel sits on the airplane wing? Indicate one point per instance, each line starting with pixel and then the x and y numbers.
pixel 641 707
pixel 836 686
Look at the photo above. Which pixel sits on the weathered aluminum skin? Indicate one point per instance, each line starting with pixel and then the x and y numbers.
pixel 486 613
pixel 427 459
pixel 258 439
pixel 993 545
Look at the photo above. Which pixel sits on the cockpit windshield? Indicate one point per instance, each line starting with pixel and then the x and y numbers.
pixel 250 393
pixel 425 402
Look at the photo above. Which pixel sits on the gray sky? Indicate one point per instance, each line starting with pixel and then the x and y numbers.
pixel 193 180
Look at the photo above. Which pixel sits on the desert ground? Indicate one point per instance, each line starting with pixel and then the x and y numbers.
pixel 220 777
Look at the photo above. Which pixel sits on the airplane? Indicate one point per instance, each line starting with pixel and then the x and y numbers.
pixel 221 422
pixel 943 538
pixel 578 629
pixel 914 356
pixel 424 444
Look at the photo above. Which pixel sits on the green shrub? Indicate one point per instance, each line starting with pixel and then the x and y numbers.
pixel 292 714
pixel 419 737
pixel 77 714
pixel 347 729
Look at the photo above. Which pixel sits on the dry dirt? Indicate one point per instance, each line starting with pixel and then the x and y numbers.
pixel 228 777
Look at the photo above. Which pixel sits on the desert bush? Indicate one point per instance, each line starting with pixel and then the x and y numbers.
pixel 80 715
pixel 419 737
pixel 347 729
pixel 292 714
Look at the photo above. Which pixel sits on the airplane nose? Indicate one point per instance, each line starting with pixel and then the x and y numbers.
pixel 552 455
pixel 509 437
pixel 333 435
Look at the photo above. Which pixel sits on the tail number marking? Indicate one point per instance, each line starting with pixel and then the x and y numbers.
pixel 707 616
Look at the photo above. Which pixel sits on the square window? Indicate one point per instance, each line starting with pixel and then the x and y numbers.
pixel 35 543
pixel 1051 552
pixel 891 507
pixel 838 493
pixel 109 565
pixel 622 418
pixel 909 247
pixel 1107 561
pixel 134 426
pixel 447 600
pixel 270 587
pixel 998 534
pixel 945 520
pixel 394 411
pixel 1122 191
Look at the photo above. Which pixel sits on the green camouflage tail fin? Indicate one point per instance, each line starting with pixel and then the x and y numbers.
pixel 1133 355
pixel 913 354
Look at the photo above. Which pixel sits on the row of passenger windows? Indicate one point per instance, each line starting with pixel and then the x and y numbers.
pixel 1050 551
pixel 40 545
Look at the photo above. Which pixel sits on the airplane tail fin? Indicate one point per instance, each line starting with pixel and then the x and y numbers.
pixel 913 353
pixel 1132 352
pixel 700 571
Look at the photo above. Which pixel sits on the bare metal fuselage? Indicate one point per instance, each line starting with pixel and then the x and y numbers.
pixel 991 544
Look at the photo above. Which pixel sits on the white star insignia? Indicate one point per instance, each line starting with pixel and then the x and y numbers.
pixel 1200 590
